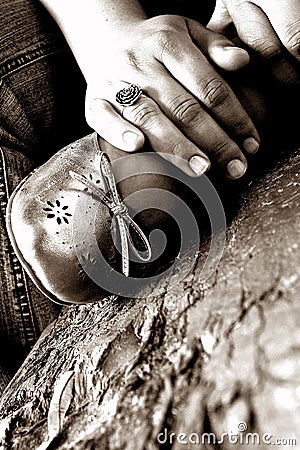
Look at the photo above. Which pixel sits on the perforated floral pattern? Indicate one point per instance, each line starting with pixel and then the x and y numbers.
pixel 57 211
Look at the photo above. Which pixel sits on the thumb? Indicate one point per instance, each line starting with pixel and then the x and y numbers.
pixel 218 48
pixel 226 55
pixel 220 20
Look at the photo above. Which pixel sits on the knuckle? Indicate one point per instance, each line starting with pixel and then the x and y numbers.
pixel 178 147
pixel 144 114
pixel 292 37
pixel 214 93
pixel 243 124
pixel 220 148
pixel 185 111
pixel 270 51
pixel 167 44
pixel 267 48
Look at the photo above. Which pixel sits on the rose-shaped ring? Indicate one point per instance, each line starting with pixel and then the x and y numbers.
pixel 129 95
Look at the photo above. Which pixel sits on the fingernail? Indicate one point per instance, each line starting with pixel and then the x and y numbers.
pixel 251 145
pixel 236 49
pixel 242 53
pixel 131 139
pixel 230 58
pixel 236 168
pixel 199 165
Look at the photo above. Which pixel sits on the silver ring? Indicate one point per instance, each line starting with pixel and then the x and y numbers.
pixel 128 95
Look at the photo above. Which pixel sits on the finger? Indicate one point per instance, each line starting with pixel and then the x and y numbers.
pixel 286 23
pixel 195 123
pixel 255 30
pixel 221 19
pixel 108 123
pixel 145 116
pixel 220 49
pixel 192 69
pixel 229 57
pixel 165 137
pixel 223 52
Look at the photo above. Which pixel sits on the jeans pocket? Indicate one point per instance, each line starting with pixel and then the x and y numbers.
pixel 16 130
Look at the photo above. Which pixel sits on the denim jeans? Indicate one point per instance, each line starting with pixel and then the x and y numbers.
pixel 42 109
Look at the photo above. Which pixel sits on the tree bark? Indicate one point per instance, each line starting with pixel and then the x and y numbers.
pixel 219 357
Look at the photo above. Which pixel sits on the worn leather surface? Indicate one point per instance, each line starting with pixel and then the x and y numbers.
pixel 50 212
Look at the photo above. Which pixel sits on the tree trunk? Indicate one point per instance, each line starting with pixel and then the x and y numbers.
pixel 219 357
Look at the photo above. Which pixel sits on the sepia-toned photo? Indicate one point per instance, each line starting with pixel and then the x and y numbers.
pixel 150 224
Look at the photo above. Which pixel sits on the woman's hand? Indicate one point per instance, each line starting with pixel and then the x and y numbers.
pixel 187 110
pixel 269 27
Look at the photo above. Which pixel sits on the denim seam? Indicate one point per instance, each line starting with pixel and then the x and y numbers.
pixel 22 291
pixel 26 59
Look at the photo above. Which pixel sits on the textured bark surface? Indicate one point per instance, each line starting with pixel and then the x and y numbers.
pixel 211 358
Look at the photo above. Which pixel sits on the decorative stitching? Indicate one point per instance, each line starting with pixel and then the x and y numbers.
pixel 23 60
pixel 22 291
